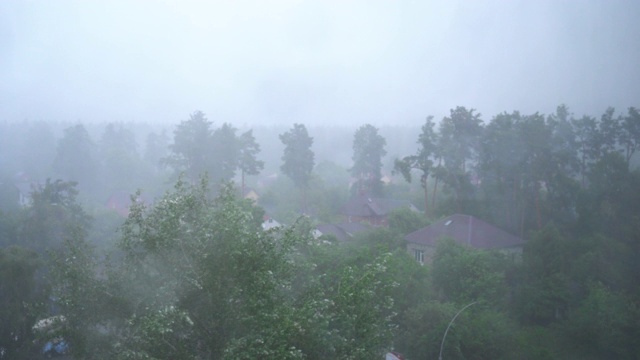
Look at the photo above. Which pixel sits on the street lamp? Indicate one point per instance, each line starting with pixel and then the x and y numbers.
pixel 451 323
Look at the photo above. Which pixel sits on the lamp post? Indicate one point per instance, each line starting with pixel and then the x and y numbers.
pixel 451 323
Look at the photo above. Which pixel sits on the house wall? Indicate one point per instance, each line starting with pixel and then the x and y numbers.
pixel 514 253
pixel 372 220
pixel 429 251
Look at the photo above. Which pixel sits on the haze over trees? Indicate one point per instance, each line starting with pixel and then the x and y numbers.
pixel 185 269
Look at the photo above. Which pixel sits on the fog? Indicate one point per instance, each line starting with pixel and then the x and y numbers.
pixel 253 62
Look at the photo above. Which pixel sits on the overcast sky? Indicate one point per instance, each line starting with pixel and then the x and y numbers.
pixel 317 62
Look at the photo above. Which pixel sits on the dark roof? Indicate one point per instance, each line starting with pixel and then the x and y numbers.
pixel 365 206
pixel 343 231
pixel 465 229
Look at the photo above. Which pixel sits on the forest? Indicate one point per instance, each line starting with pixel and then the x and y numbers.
pixel 140 241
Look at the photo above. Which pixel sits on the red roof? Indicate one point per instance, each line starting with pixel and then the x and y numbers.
pixel 466 230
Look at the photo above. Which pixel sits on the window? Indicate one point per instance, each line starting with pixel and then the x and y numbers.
pixel 419 255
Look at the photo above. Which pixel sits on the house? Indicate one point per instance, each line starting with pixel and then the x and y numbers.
pixel 362 208
pixel 251 195
pixel 465 230
pixel 342 232
pixel 269 223
pixel 24 186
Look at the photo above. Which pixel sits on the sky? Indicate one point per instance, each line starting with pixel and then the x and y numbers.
pixel 314 62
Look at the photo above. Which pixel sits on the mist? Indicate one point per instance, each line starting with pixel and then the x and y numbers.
pixel 250 62
pixel 314 180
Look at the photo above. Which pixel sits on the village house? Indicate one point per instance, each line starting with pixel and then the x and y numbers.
pixel 374 211
pixel 465 230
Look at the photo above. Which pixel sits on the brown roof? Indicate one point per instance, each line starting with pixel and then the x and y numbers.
pixel 364 206
pixel 467 230
pixel 343 231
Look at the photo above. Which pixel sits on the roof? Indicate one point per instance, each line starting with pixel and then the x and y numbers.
pixel 343 231
pixel 364 206
pixel 466 230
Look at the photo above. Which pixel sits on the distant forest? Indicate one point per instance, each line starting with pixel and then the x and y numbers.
pixel 138 241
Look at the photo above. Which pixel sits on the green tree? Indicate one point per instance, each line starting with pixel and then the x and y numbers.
pixel 156 148
pixel 630 133
pixel 224 153
pixel 463 275
pixel 460 134
pixel 22 298
pixel 404 221
pixel 75 158
pixel 120 156
pixel 500 167
pixel 586 132
pixel 298 158
pixel 604 326
pixel 54 212
pixel 368 150
pixel 190 147
pixel 543 295
pixel 422 161
pixel 247 161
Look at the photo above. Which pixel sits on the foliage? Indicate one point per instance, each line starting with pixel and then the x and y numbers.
pixel 298 158
pixel 75 157
pixel 247 161
pixel 404 221
pixel 118 150
pixel 53 213
pixel 423 160
pixel 199 279
pixel 22 299
pixel 604 326
pixel 463 275
pixel 368 150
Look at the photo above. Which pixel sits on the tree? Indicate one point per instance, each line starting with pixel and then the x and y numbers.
pixel 75 157
pixel 500 168
pixel 155 149
pixel 224 153
pixel 460 134
pixel 247 161
pixel 422 161
pixel 22 297
pixel 463 274
pixel 368 150
pixel 543 294
pixel 630 133
pixel 586 131
pixel 53 213
pixel 604 326
pixel 298 158
pixel 120 156
pixel 190 147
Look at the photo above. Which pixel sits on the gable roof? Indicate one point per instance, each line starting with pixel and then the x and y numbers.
pixel 365 206
pixel 343 231
pixel 466 230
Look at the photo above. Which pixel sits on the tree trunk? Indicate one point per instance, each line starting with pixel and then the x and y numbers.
pixel 537 200
pixel 435 187
pixel 426 198
pixel 243 194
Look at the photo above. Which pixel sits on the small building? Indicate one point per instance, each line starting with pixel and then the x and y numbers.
pixel 362 208
pixel 269 223
pixel 465 230
pixel 342 231
pixel 251 194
